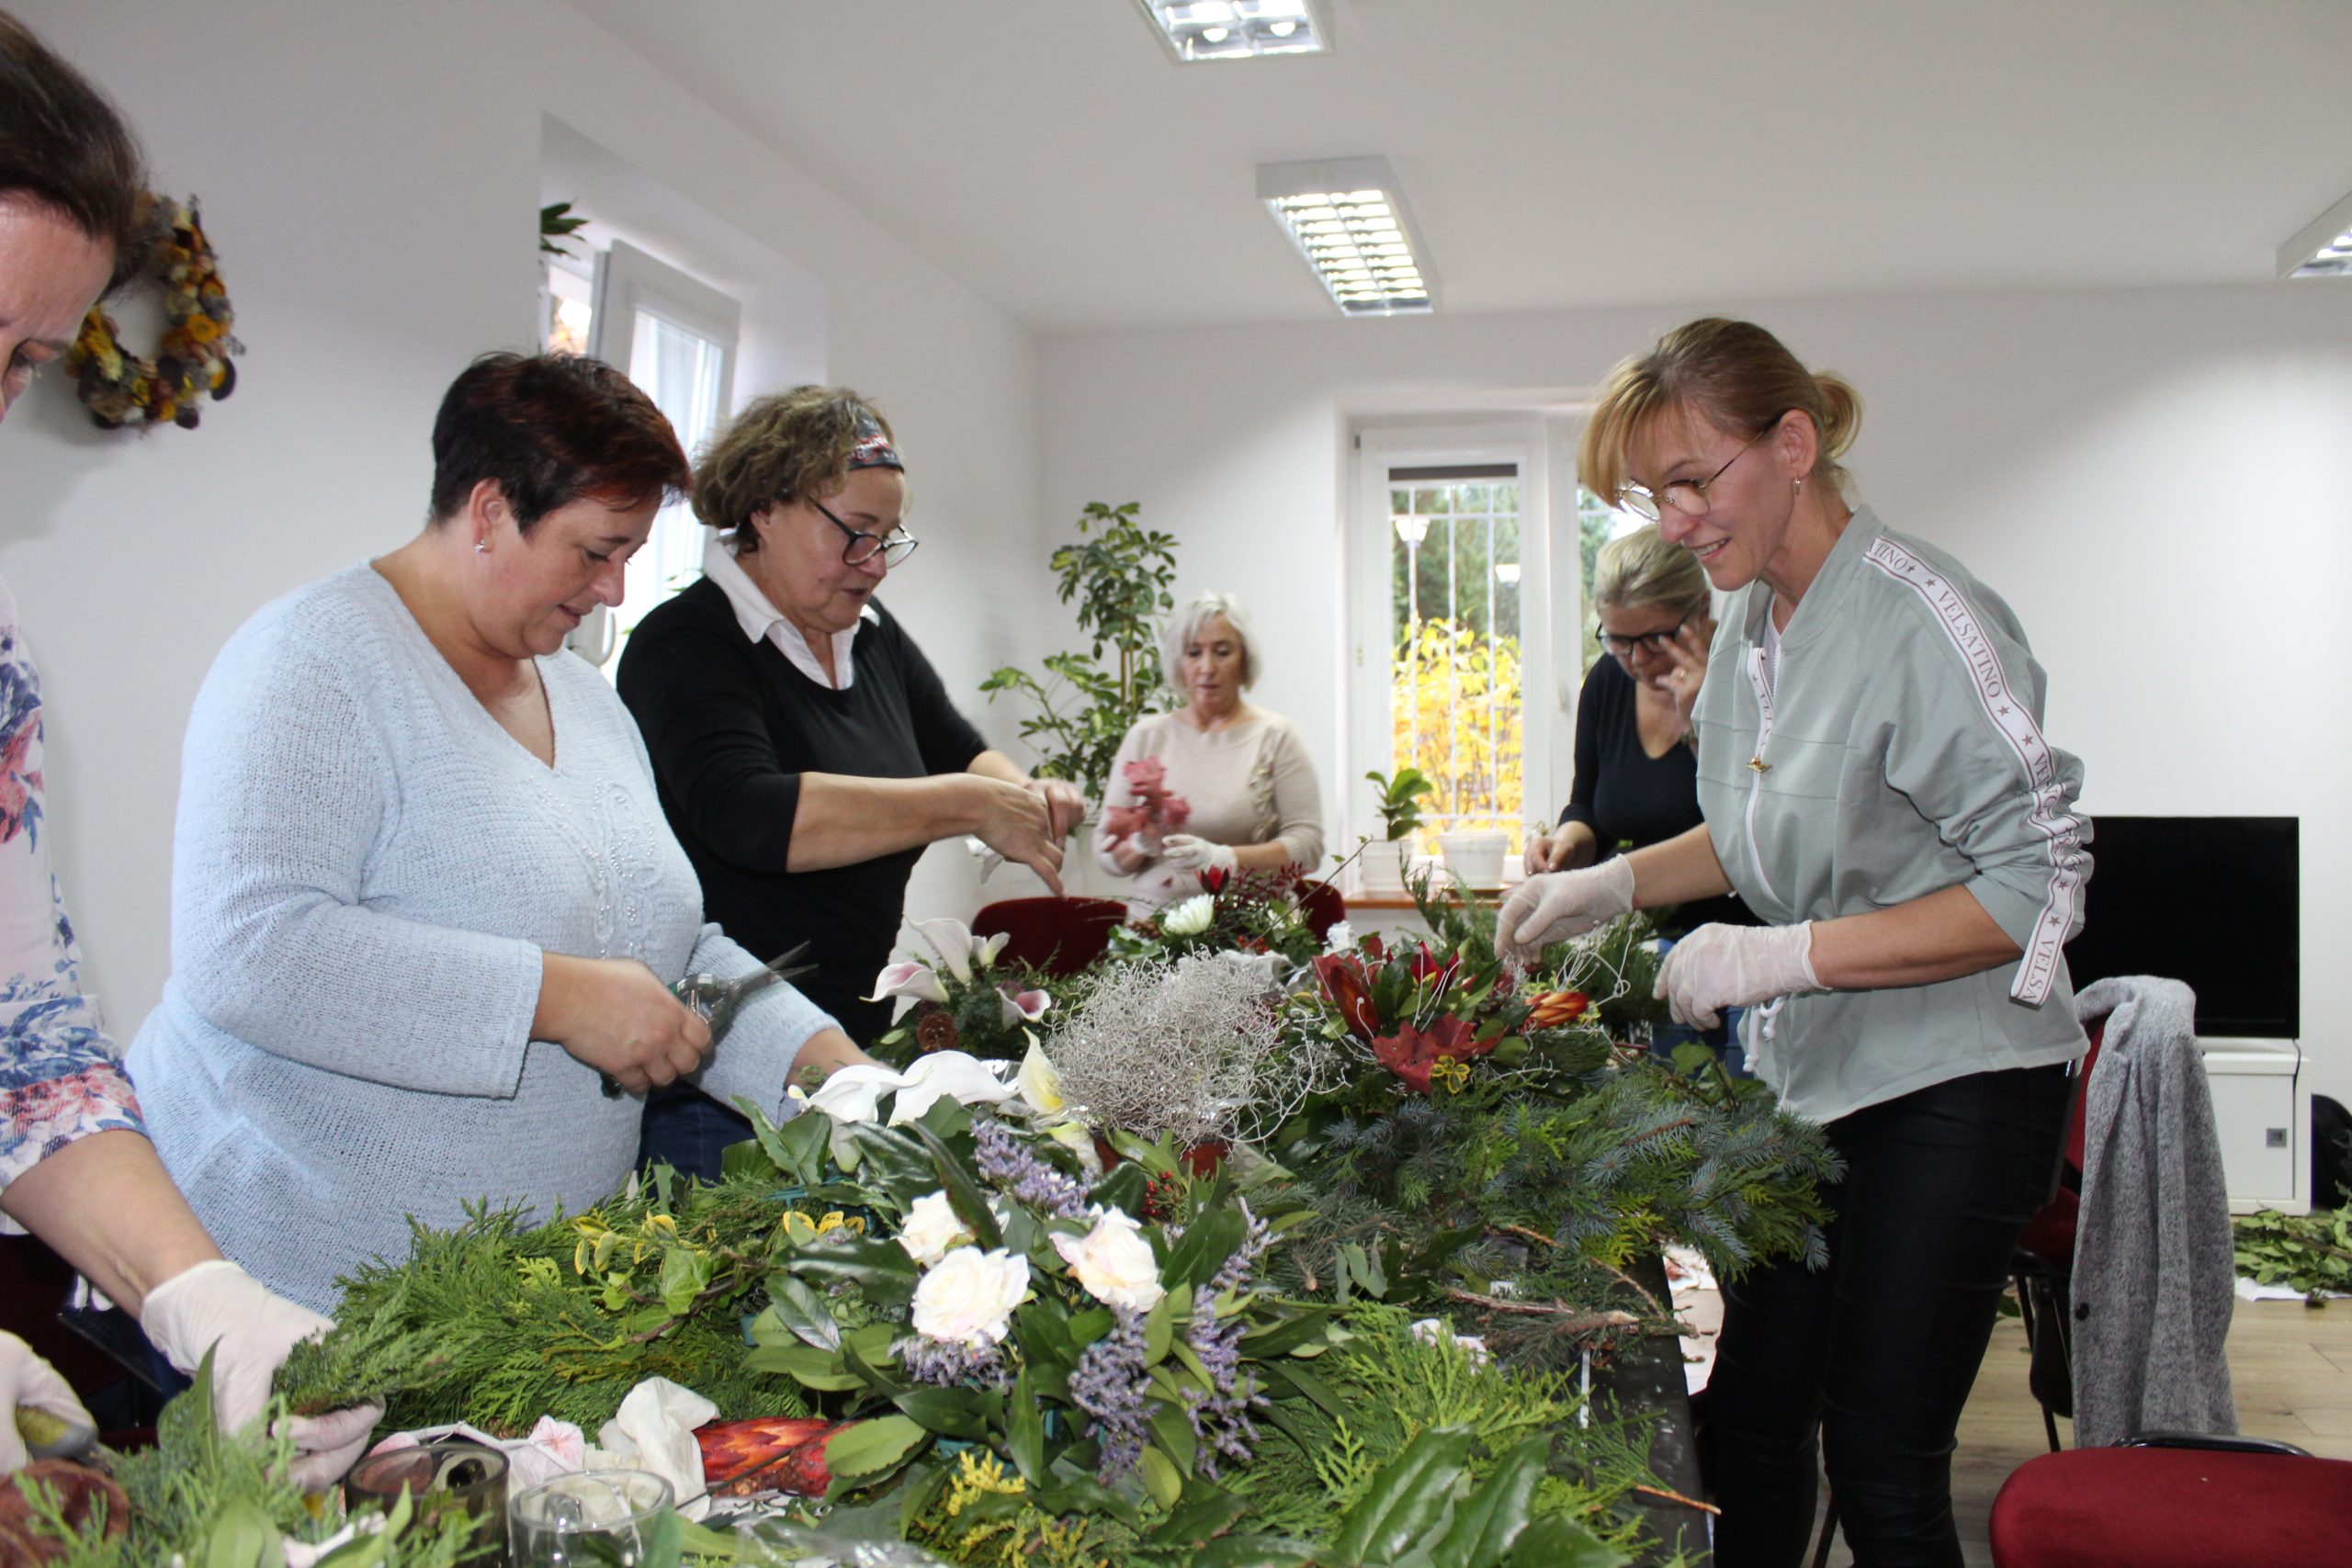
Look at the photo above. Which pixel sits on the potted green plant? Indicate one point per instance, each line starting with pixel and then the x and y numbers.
pixel 1398 802
pixel 1119 578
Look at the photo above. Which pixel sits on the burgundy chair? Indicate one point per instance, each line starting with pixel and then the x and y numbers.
pixel 1321 906
pixel 2171 1500
pixel 2043 1269
pixel 1060 936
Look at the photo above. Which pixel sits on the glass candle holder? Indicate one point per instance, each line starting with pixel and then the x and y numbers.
pixel 604 1517
pixel 446 1475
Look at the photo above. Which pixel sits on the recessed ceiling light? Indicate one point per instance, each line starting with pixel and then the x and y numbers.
pixel 2325 247
pixel 1195 31
pixel 1347 219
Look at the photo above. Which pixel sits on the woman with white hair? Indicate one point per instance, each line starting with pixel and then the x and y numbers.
pixel 1233 777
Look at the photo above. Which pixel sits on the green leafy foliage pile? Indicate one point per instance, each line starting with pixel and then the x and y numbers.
pixel 2311 1252
pixel 202 1498
pixel 499 1322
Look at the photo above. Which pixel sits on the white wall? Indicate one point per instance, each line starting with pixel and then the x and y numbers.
pixel 2159 482
pixel 371 177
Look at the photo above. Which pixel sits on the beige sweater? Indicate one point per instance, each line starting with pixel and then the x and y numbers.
pixel 1251 783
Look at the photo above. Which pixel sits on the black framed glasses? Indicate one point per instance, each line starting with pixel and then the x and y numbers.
pixel 1622 647
pixel 1687 496
pixel 893 547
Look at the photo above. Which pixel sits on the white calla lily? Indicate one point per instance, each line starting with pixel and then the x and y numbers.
pixel 1022 1007
pixel 907 979
pixel 854 1093
pixel 1040 1081
pixel 966 1078
pixel 952 941
pixel 985 949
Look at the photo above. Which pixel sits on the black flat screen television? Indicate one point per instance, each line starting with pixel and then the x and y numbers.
pixel 2208 900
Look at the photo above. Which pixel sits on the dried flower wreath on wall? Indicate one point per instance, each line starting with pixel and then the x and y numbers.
pixel 191 363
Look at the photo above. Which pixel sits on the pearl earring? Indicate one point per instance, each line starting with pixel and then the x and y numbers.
pixel 481 546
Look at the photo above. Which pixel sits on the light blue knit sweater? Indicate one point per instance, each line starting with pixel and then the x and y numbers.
pixel 365 871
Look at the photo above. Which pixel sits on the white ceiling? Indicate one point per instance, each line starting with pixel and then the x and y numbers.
pixel 1556 154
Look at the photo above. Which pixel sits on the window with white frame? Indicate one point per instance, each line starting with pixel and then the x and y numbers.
pixel 676 336
pixel 1452 626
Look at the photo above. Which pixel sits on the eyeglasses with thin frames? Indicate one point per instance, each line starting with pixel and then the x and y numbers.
pixel 1693 503
pixel 894 547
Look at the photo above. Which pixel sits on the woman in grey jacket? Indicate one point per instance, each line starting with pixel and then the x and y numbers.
pixel 1877 788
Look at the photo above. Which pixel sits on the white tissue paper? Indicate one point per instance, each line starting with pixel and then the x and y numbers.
pixel 655 1431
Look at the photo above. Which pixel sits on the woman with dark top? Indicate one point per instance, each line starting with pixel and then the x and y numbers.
pixel 805 748
pixel 1637 773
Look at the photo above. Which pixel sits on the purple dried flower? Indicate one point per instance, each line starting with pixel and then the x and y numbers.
pixel 1220 1415
pixel 947 1363
pixel 1234 1273
pixel 1004 1159
pixel 1110 1384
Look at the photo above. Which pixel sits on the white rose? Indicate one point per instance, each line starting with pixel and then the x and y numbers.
pixel 1190 918
pixel 1114 1262
pixel 931 1230
pixel 969 1297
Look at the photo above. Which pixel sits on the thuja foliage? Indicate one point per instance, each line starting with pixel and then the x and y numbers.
pixel 200 1498
pixel 499 1322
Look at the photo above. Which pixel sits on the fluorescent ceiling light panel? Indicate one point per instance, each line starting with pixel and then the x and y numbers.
pixel 2325 247
pixel 1195 31
pixel 1347 219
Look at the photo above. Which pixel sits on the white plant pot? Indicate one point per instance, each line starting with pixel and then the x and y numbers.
pixel 1475 859
pixel 1381 865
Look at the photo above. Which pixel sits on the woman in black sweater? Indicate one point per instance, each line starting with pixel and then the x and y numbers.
pixel 1636 777
pixel 805 750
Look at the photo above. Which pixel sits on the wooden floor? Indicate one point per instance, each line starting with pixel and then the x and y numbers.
pixel 2290 1367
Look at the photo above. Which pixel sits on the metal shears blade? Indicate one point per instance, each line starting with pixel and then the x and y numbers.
pixel 719 1001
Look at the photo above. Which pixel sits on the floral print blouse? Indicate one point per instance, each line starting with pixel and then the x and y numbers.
pixel 60 1078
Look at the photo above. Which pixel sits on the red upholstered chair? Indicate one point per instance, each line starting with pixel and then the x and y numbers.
pixel 2043 1269
pixel 1060 936
pixel 1321 906
pixel 2171 1501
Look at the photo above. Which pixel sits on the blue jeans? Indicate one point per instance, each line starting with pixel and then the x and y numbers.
pixel 688 1130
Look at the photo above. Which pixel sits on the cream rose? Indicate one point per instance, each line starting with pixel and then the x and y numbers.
pixel 969 1296
pixel 1114 1262
pixel 931 1230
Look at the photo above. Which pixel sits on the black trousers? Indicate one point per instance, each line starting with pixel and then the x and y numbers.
pixel 1872 1358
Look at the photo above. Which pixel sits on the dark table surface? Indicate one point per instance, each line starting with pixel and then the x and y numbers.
pixel 1645 1375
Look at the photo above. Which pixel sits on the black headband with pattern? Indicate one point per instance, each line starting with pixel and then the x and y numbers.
pixel 874 450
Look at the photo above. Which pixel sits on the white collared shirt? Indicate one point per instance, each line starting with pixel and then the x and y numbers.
pixel 760 618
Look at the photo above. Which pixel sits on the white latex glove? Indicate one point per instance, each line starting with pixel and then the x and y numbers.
pixel 28 1382
pixel 1559 904
pixel 217 1306
pixel 1731 967
pixel 1183 851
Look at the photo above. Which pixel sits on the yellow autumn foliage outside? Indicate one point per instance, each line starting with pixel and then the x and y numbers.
pixel 1455 703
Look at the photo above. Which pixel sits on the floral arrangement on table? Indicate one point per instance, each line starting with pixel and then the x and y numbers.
pixel 1490 1146
pixel 954 1330
pixel 963 1001
pixel 1235 911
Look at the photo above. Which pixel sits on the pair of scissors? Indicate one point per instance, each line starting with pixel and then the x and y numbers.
pixel 718 1001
